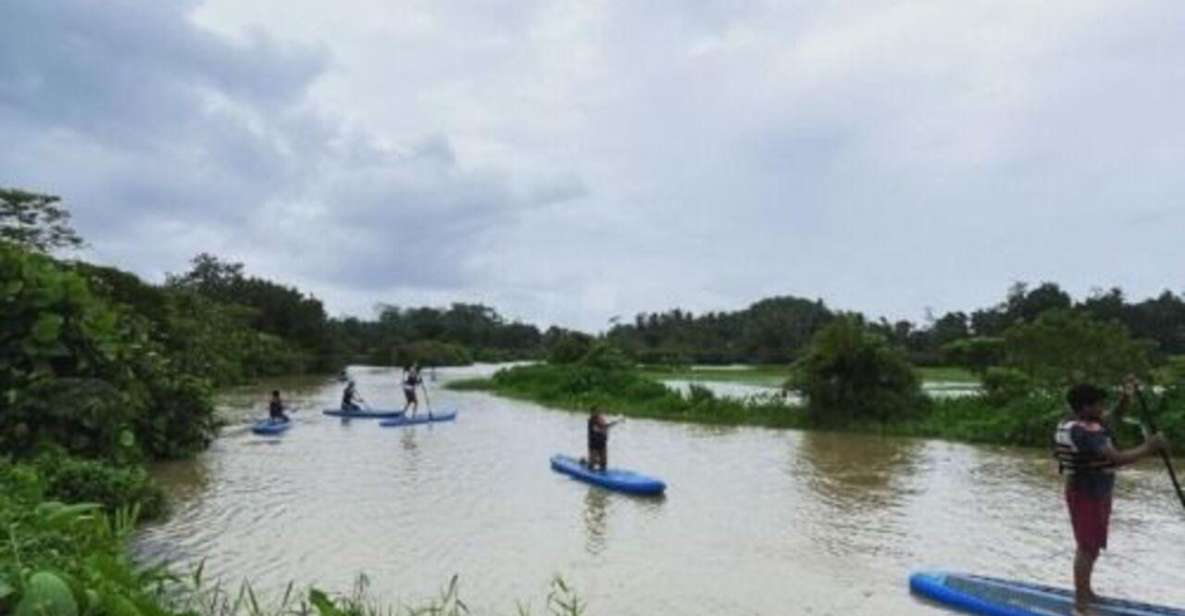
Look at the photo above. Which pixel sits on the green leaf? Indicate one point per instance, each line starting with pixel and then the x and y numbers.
pixel 324 605
pixel 117 605
pixel 47 595
pixel 12 287
pixel 47 328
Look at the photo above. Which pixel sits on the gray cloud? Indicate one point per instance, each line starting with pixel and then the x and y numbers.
pixel 570 162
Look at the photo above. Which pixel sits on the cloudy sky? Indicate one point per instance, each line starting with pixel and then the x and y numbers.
pixel 567 162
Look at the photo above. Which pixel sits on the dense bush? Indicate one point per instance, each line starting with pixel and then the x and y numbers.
pixel 69 558
pixel 851 375
pixel 975 354
pixel 568 347
pixel 1060 348
pixel 77 371
pixel 1003 385
pixel 1026 420
pixel 74 480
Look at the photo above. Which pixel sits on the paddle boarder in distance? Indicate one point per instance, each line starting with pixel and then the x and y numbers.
pixel 411 380
pixel 350 398
pixel 275 408
pixel 598 440
pixel 1086 455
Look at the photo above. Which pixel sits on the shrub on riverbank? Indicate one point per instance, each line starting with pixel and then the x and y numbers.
pixel 852 375
pixel 81 373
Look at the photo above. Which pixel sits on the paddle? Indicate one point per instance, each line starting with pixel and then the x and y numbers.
pixel 1149 426
pixel 427 402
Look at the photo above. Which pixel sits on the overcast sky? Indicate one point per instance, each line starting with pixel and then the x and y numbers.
pixel 568 162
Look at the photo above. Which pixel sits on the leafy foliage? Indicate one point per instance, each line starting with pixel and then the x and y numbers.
pixel 566 347
pixel 773 330
pixel 430 353
pixel 35 221
pixel 850 374
pixel 976 354
pixel 461 333
pixel 1061 348
pixel 77 371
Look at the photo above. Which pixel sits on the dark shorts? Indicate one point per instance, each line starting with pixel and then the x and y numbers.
pixel 410 394
pixel 1090 516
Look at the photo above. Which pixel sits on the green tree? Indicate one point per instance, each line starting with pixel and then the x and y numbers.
pixel 1062 347
pixel 565 346
pixel 850 374
pixel 975 354
pixel 1025 305
pixel 77 371
pixel 35 221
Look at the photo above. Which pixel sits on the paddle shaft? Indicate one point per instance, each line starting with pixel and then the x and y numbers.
pixel 1164 455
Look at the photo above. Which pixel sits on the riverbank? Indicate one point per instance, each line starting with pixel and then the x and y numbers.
pixel 1024 421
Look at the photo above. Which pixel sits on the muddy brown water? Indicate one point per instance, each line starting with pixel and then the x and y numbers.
pixel 755 521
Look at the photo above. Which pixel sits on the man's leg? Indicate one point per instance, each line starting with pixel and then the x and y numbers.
pixel 1083 570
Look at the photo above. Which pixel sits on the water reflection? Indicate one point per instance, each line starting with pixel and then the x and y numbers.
pixel 407 439
pixel 596 520
pixel 854 473
pixel 860 488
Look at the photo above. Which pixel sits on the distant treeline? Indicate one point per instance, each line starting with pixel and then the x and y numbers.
pixel 777 330
pixel 234 327
pixel 457 335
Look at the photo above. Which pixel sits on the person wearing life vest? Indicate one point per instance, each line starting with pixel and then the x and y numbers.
pixel 1087 458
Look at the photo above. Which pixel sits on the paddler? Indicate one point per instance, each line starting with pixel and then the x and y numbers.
pixel 275 408
pixel 411 380
pixel 350 398
pixel 1088 457
pixel 598 440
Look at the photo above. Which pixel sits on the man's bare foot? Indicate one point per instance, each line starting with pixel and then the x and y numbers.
pixel 1081 611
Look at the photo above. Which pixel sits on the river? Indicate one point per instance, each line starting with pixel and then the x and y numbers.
pixel 755 521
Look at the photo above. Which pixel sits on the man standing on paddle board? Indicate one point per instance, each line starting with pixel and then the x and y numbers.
pixel 1088 458
pixel 411 380
pixel 598 440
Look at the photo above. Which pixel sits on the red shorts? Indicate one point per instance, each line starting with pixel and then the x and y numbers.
pixel 1090 518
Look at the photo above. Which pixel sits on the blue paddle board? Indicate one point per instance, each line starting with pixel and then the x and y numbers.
pixel 612 479
pixel 977 594
pixel 418 419
pixel 372 414
pixel 268 427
